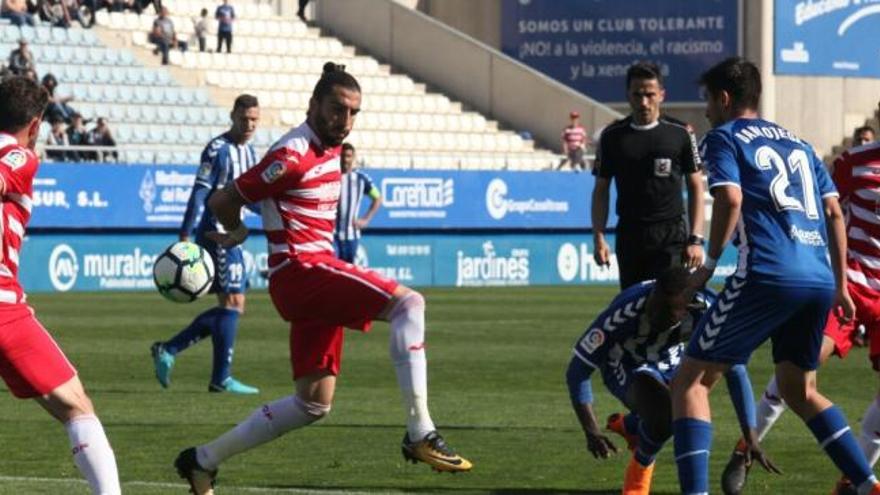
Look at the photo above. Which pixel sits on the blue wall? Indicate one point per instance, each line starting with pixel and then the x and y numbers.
pixel 76 262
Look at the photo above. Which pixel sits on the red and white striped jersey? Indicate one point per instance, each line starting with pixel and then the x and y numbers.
pixel 18 165
pixel 297 184
pixel 857 177
pixel 574 137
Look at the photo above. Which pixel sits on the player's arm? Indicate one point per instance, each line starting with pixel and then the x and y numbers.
pixel 836 228
pixel 195 207
pixel 375 203
pixel 740 388
pixel 580 391
pixel 226 204
pixel 693 252
pixel 725 213
pixel 599 214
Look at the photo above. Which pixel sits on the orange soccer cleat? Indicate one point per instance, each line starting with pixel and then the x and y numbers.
pixel 637 480
pixel 615 424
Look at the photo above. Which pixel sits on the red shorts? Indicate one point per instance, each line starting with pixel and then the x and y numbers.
pixel 320 295
pixel 867 304
pixel 31 363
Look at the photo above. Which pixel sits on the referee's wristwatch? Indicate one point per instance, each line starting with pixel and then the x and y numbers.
pixel 696 240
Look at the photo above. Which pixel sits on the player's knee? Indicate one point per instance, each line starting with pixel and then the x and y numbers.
pixel 411 302
pixel 314 410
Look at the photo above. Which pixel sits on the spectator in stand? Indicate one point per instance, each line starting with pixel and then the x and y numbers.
pixel 574 143
pixel 77 135
pixel 225 16
pixel 164 36
pixel 100 135
pixel 863 135
pixel 200 26
pixel 57 137
pixel 121 5
pixel 301 12
pixel 21 59
pixel 58 106
pixel 5 73
pixel 54 12
pixel 17 12
pixel 140 5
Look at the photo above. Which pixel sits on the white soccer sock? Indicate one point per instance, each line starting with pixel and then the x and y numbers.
pixel 769 408
pixel 408 355
pixel 93 455
pixel 869 440
pixel 263 425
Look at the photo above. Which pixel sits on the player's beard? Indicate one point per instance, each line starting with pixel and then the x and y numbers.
pixel 329 136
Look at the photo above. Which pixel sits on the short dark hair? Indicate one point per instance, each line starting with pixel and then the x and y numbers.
pixel 347 146
pixel 643 70
pixel 739 77
pixel 864 128
pixel 334 75
pixel 672 281
pixel 245 101
pixel 21 101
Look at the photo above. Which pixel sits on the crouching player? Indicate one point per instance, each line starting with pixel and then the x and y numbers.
pixel 31 363
pixel 636 344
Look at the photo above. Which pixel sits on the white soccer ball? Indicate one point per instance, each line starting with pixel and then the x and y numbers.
pixel 184 272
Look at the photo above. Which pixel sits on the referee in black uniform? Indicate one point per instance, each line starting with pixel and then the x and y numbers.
pixel 648 155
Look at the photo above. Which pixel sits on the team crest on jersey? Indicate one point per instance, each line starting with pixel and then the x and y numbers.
pixel 204 171
pixel 662 167
pixel 14 159
pixel 273 172
pixel 593 340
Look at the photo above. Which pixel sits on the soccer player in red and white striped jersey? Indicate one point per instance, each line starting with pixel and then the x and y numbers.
pixel 297 184
pixel 31 363
pixel 856 175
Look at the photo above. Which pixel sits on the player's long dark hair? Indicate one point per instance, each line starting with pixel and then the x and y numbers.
pixel 21 99
pixel 334 75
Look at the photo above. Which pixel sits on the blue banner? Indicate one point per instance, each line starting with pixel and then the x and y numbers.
pixel 71 195
pixel 82 262
pixel 827 38
pixel 589 45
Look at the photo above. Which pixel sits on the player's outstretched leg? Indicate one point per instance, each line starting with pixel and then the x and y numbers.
pixel 421 443
pixel 164 352
pixel 223 339
pixel 827 424
pixel 199 465
pixel 769 410
pixel 91 450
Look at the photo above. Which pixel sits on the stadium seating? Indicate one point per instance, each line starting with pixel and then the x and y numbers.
pixel 156 120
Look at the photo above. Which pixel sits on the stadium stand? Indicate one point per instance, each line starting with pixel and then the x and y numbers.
pixel 402 126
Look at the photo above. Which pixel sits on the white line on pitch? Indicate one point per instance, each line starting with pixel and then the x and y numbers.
pixel 157 484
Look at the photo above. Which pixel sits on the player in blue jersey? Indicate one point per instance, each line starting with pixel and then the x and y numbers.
pixel 224 159
pixel 636 345
pixel 774 197
pixel 354 185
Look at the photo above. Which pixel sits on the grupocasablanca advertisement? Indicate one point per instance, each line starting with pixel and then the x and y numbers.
pixel 84 262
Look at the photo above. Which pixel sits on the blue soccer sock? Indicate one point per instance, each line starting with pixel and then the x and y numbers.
pixel 833 434
pixel 693 441
pixel 223 337
pixel 197 330
pixel 648 447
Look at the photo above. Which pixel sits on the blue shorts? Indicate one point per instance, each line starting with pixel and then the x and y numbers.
pixel 346 250
pixel 230 271
pixel 747 313
pixel 618 381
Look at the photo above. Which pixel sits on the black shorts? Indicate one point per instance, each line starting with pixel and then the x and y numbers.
pixel 645 250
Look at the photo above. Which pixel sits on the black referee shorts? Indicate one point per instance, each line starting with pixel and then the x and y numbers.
pixel 644 250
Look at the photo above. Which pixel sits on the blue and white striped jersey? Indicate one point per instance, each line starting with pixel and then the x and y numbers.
pixel 353 186
pixel 780 234
pixel 621 337
pixel 222 162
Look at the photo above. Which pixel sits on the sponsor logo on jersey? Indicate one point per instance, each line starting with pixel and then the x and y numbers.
pixel 662 167
pixel 492 269
pixel 499 205
pixel 273 172
pixel 14 159
pixel 593 340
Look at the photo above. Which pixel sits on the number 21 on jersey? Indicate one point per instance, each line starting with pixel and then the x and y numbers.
pixel 796 163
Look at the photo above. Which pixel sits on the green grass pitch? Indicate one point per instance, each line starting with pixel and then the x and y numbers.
pixel 496 364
